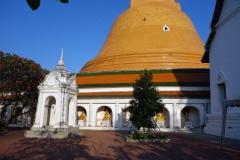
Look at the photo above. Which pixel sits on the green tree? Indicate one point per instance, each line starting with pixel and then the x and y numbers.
pixel 19 79
pixel 34 4
pixel 146 102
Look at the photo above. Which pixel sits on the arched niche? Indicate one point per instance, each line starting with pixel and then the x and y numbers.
pixel 80 110
pixel 71 106
pixel 165 123
pixel 193 115
pixel 125 117
pixel 166 117
pixel 81 116
pixel 49 111
pixel 100 114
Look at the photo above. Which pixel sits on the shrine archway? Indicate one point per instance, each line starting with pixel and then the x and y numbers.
pixel 166 117
pixel 190 114
pixel 125 117
pixel 101 111
pixel 49 111
pixel 80 110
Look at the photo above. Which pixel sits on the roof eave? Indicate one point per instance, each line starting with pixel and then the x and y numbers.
pixel 215 19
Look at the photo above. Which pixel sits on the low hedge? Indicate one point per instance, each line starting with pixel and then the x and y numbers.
pixel 147 135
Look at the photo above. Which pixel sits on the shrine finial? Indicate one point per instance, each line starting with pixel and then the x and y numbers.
pixel 62 54
pixel 61 62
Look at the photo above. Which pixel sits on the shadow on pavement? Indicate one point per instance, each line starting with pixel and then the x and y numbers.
pixel 110 145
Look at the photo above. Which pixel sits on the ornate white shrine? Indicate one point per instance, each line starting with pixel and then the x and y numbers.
pixel 57 101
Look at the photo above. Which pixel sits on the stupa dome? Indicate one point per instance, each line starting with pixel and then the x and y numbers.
pixel 151 34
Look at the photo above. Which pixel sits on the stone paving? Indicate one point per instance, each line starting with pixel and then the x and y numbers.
pixel 111 145
pixel 227 142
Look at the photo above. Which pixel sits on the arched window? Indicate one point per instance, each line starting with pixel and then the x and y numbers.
pixel 222 82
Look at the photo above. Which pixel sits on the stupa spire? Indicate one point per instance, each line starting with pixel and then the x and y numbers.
pixel 61 62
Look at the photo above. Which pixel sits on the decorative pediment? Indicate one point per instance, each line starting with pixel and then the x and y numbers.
pixel 50 80
pixel 222 78
pixel 72 81
pixel 60 77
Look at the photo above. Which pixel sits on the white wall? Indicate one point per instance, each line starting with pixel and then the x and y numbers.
pixel 173 106
pixel 225 58
pixel 225 55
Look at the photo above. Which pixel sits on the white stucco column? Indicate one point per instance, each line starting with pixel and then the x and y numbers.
pixel 58 113
pixel 116 115
pixel 40 107
pixel 179 114
pixel 120 118
pixel 174 117
pixel 66 108
pixel 90 115
pixel 75 118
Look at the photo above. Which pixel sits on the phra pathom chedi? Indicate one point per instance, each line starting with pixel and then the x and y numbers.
pixel 154 35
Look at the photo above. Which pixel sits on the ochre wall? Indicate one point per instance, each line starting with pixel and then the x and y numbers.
pixel 160 76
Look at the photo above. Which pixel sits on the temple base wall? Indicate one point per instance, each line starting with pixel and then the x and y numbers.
pixel 214 125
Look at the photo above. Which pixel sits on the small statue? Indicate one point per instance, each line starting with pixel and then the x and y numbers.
pixel 186 116
pixel 83 116
pixel 106 116
pixel 159 117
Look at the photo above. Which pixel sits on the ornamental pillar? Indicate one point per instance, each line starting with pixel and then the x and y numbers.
pixel 90 115
pixel 117 114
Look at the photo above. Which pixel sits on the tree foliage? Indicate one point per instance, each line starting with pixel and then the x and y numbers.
pixel 19 78
pixel 34 4
pixel 146 102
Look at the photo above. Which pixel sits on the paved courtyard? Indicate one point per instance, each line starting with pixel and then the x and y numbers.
pixel 111 145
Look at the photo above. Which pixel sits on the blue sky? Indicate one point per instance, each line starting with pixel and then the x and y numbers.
pixel 79 27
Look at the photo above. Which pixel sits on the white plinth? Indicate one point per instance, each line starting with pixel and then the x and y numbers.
pixel 161 124
pixel 36 126
pixel 81 123
pixel 106 123
pixel 188 125
pixel 129 124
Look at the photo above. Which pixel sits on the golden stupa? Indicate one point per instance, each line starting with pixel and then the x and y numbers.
pixel 151 34
pixel 154 35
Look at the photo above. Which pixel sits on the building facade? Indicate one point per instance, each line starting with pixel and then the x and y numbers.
pixel 222 52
